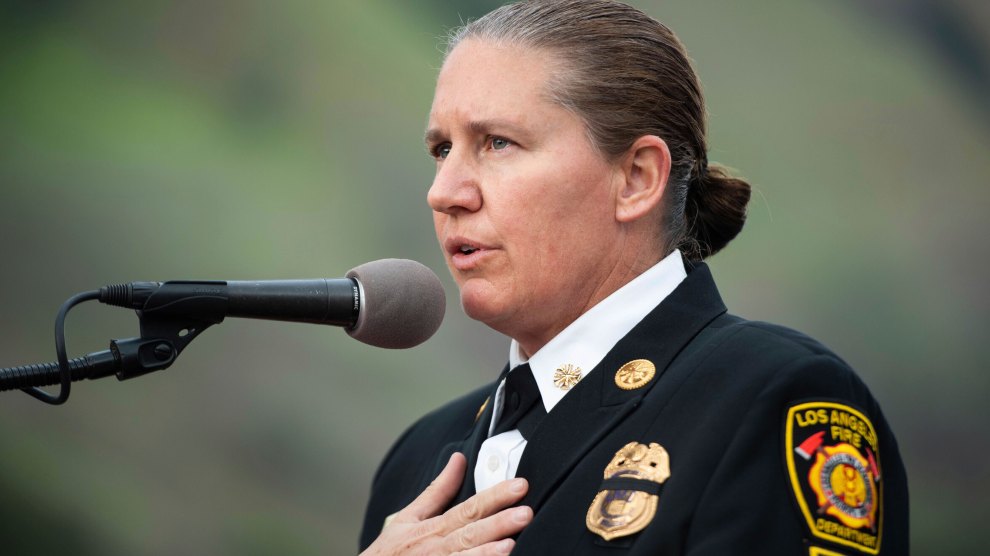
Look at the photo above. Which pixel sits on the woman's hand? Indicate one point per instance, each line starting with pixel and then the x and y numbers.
pixel 479 526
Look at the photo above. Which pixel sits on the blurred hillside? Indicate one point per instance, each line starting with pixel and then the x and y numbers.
pixel 248 140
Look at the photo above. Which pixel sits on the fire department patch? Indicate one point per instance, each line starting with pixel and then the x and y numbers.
pixel 817 551
pixel 833 462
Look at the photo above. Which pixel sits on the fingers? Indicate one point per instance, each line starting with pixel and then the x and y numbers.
pixel 480 526
pixel 485 503
pixel 441 491
pixel 489 535
pixel 485 518
pixel 491 549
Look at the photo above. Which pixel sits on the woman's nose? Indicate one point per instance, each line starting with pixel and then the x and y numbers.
pixel 456 186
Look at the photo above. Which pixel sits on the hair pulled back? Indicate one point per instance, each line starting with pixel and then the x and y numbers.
pixel 627 75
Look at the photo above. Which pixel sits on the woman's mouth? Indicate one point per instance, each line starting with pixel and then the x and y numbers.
pixel 466 255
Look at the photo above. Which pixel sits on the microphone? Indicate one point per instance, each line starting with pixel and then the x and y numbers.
pixel 389 303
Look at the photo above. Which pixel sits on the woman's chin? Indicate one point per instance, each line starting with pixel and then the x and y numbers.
pixel 480 302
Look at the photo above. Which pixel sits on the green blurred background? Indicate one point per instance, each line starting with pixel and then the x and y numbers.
pixel 221 139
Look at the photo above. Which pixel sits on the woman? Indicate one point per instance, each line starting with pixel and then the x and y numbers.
pixel 574 203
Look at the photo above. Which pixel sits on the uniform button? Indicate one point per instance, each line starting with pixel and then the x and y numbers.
pixel 493 463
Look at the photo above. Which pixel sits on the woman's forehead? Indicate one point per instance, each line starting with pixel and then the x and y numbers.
pixel 489 81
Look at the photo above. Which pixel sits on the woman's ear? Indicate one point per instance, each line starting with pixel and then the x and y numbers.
pixel 646 168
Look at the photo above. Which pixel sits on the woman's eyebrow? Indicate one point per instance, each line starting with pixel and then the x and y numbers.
pixel 480 127
pixel 488 126
pixel 433 135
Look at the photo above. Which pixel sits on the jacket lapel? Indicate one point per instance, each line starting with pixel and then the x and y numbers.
pixel 597 404
pixel 471 444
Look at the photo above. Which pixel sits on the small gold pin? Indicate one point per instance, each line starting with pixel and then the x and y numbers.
pixel 481 409
pixel 635 374
pixel 566 376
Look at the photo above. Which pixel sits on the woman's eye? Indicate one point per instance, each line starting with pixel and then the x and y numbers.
pixel 499 143
pixel 441 151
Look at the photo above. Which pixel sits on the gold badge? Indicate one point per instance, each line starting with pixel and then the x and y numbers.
pixel 625 509
pixel 635 374
pixel 566 376
pixel 833 460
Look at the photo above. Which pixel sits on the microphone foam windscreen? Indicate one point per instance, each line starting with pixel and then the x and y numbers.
pixel 402 304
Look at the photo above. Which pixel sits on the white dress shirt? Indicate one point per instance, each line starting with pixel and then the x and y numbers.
pixel 583 344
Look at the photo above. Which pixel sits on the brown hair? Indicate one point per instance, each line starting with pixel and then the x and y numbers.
pixel 627 75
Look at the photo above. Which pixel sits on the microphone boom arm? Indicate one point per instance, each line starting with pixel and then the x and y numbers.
pixel 163 337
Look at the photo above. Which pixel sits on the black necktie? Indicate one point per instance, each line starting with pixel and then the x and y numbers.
pixel 522 406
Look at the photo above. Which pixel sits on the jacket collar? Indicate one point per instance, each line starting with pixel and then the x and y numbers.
pixel 597 404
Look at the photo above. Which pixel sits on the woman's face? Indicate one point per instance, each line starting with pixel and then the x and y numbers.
pixel 524 205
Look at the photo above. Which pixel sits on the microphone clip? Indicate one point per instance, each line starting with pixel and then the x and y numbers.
pixel 162 340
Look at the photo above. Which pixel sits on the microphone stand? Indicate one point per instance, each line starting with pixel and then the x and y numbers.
pixel 163 337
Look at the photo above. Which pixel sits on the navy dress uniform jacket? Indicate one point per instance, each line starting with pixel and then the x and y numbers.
pixel 739 407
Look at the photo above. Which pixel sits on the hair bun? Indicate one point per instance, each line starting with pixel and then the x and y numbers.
pixel 715 212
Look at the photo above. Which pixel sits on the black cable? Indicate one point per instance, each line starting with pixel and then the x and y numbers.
pixel 65 372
